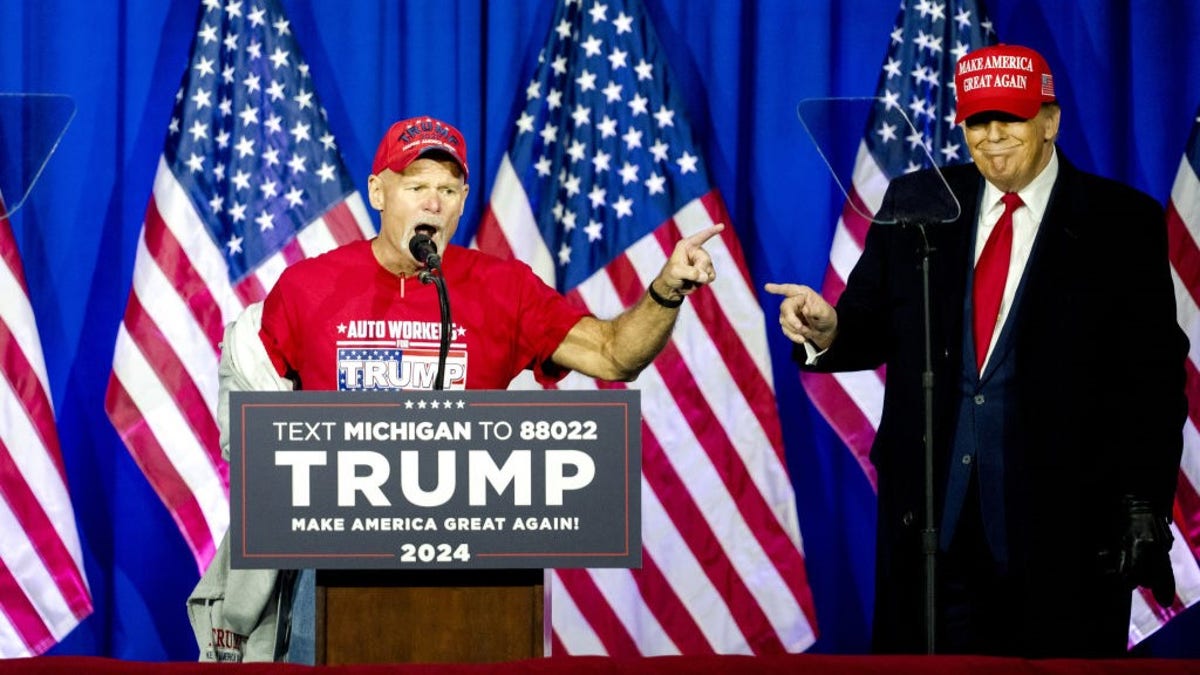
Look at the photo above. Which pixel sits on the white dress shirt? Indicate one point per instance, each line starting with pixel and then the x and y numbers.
pixel 1026 220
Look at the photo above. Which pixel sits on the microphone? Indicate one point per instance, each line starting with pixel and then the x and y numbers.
pixel 425 251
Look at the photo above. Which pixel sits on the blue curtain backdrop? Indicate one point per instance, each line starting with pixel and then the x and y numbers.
pixel 1128 76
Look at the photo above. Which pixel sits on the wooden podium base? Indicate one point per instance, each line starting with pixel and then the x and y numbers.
pixel 470 616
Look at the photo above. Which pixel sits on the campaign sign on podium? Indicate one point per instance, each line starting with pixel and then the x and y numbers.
pixel 435 480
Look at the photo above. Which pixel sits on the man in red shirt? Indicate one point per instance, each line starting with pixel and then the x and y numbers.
pixel 357 318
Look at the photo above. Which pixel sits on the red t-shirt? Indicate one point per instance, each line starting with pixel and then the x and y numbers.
pixel 341 321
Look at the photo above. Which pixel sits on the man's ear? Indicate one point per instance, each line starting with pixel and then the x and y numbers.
pixel 375 191
pixel 1053 117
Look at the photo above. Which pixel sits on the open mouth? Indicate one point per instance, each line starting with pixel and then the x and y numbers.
pixel 429 230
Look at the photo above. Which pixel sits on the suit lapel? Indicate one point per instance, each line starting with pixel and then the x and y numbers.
pixel 1042 257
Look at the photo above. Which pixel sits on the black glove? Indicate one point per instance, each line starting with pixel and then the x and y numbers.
pixel 1145 558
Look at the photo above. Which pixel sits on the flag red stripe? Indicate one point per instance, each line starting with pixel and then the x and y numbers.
pixel 677 622
pixel 21 613
pixel 490 236
pixel 1192 391
pixel 249 290
pixel 557 648
pixel 1184 254
pixel 844 415
pixel 604 622
pixel 42 536
pixel 292 251
pixel 692 527
pixel 855 217
pixel 177 267
pixel 833 285
pixel 15 367
pixel 169 369
pixel 342 224
pixel 1187 512
pixel 160 472
pixel 1162 614
pixel 749 380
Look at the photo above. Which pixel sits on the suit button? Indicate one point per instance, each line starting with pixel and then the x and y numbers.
pixel 966 459
pixel 979 399
pixel 907 519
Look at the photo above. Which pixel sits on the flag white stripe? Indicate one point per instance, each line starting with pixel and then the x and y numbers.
pixel 17 314
pixel 1144 620
pixel 687 578
pixel 870 181
pixel 268 272
pixel 175 321
pixel 1184 191
pixel 623 596
pixel 34 578
pixel 510 206
pixel 174 435
pixel 37 470
pixel 1188 315
pixel 1189 464
pixel 866 390
pixel 11 645
pixel 185 225
pixel 1187 570
pixel 580 639
pixel 316 238
pixel 844 252
pixel 358 209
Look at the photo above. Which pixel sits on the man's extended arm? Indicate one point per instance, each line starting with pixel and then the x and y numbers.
pixel 620 348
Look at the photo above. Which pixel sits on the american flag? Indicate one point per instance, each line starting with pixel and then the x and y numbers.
pixel 1183 231
pixel 602 177
pixel 917 79
pixel 43 590
pixel 250 180
pixel 918 75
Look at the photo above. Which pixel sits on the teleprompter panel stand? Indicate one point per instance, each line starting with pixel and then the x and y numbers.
pixel 431 515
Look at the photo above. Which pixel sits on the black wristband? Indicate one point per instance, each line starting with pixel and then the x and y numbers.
pixel 669 304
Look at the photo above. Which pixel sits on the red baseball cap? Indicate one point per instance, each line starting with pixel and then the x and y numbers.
pixel 409 139
pixel 1002 78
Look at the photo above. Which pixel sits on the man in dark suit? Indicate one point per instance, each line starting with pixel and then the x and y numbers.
pixel 1058 399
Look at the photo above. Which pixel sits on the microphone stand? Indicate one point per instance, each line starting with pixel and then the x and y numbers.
pixel 428 276
pixel 929 535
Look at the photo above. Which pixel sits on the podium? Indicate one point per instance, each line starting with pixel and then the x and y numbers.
pixel 373 616
pixel 430 517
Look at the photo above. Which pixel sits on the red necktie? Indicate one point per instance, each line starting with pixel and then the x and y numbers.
pixel 991 273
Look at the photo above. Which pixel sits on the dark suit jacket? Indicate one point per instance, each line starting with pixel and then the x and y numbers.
pixel 1099 380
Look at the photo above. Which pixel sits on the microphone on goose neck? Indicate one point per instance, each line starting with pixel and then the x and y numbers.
pixel 425 251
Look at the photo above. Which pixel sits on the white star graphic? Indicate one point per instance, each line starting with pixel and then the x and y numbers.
pixel 687 162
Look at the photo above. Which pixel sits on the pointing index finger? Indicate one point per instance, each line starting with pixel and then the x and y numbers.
pixel 699 238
